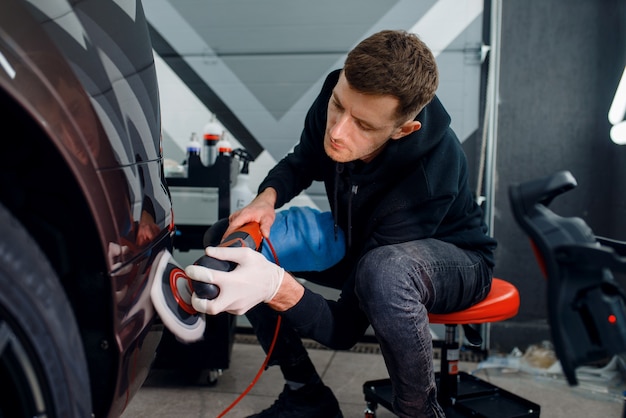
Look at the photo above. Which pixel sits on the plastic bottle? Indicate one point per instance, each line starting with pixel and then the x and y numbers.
pixel 193 147
pixel 212 133
pixel 225 152
pixel 193 155
pixel 224 147
pixel 241 194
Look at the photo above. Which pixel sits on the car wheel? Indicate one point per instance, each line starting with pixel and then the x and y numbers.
pixel 43 371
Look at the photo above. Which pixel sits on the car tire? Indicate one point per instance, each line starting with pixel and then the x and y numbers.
pixel 43 371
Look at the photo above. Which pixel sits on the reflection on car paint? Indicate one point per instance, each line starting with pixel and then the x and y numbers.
pixel 119 78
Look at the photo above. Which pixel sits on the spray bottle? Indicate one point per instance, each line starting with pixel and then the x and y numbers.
pixel 241 194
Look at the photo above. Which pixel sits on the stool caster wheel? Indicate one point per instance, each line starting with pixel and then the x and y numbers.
pixel 370 410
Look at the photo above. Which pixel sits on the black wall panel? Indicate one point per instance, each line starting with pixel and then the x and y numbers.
pixel 561 61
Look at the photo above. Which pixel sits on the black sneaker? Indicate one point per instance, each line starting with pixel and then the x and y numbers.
pixel 310 401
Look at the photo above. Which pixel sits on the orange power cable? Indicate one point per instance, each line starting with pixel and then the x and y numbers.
pixel 267 357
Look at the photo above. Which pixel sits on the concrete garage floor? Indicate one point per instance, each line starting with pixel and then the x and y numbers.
pixel 167 394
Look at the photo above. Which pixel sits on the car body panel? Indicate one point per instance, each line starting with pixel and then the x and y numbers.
pixel 84 71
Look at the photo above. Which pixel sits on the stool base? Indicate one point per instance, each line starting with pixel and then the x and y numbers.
pixel 475 398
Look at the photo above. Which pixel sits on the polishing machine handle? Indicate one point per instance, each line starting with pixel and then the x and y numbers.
pixel 249 235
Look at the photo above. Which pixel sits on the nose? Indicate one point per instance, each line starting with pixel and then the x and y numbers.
pixel 340 128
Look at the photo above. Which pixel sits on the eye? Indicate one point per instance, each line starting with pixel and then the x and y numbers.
pixel 336 104
pixel 365 127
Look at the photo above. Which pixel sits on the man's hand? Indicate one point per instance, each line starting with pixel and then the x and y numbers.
pixel 260 210
pixel 253 281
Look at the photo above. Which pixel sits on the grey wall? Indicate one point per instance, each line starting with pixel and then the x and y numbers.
pixel 561 61
pixel 258 66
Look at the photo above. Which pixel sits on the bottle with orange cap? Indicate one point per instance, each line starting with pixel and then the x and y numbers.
pixel 212 133
pixel 224 147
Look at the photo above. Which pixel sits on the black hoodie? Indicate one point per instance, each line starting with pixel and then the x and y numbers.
pixel 416 188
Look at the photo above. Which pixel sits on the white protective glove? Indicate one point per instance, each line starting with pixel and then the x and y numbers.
pixel 254 280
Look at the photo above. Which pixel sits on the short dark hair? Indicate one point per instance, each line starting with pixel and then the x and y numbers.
pixel 396 63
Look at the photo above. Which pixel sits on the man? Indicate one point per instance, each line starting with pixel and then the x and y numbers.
pixel 396 178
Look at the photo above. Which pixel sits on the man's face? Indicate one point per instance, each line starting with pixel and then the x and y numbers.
pixel 359 125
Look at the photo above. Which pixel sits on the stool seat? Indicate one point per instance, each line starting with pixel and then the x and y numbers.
pixel 501 303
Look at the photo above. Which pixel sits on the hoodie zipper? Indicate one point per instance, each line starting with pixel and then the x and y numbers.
pixel 354 188
pixel 338 170
pixel 353 192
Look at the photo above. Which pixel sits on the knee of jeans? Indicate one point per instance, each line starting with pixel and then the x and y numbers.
pixel 373 273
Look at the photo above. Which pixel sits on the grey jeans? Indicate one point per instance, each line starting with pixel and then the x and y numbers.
pixel 396 286
pixel 427 276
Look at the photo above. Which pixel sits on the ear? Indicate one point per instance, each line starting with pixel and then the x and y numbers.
pixel 406 128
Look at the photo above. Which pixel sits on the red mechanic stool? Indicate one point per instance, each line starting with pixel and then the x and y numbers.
pixel 459 393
